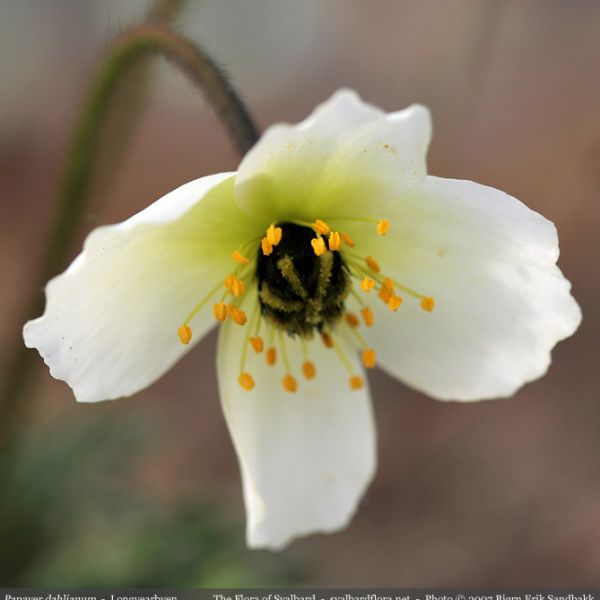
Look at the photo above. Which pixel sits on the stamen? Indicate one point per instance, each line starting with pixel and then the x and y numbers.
pixel 321 227
pixel 257 343
pixel 382 226
pixel 356 382
pixel 352 320
pixel 427 303
pixel 384 295
pixel 309 370
pixel 229 281
pixel 239 316
pixel 185 334
pixel 289 383
pixel 273 235
pixel 237 287
pixel 220 311
pixel 389 284
pixel 318 245
pixel 327 340
pixel 267 247
pixel 347 239
pixel 246 381
pixel 394 302
pixel 271 356
pixel 367 284
pixel 372 264
pixel 367 315
pixel 335 241
pixel 239 257
pixel 368 358
pixel 368 355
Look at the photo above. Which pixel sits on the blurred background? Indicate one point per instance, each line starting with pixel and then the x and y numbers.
pixel 146 490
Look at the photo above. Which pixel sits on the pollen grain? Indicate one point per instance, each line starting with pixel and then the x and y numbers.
pixel 368 358
pixel 367 315
pixel 382 226
pixel 318 245
pixel 240 258
pixel 257 344
pixel 427 303
pixel 289 383
pixel 220 311
pixel 185 334
pixel 321 227
pixel 356 382
pixel 309 370
pixel 372 264
pixel 246 381
pixel 367 284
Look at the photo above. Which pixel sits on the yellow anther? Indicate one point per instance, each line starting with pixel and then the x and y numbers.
pixel 384 295
pixel 382 227
pixel 368 358
pixel 372 264
pixel 321 227
pixel 335 241
pixel 237 287
pixel 367 284
pixel 257 344
pixel 220 311
pixel 389 284
pixel 356 382
pixel 394 302
pixel 273 235
pixel 347 239
pixel 309 370
pixel 229 281
pixel 318 245
pixel 246 381
pixel 367 315
pixel 185 334
pixel 239 316
pixel 266 246
pixel 327 340
pixel 427 303
pixel 238 257
pixel 352 319
pixel 271 355
pixel 289 383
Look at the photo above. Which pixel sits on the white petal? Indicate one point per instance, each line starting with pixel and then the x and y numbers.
pixel 501 302
pixel 111 320
pixel 344 153
pixel 305 458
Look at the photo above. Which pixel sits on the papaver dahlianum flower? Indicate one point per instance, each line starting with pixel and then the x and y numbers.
pixel 330 249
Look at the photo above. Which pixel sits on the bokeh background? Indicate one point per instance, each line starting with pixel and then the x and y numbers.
pixel 146 490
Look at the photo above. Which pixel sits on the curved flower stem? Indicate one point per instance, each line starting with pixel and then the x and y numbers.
pixel 137 43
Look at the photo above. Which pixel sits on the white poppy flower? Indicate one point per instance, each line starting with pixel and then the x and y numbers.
pixel 292 254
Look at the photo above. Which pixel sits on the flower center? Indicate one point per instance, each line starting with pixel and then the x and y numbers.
pixel 304 274
pixel 298 290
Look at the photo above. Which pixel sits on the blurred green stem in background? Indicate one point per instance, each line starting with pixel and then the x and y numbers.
pixel 135 44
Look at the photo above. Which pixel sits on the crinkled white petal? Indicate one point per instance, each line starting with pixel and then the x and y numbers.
pixel 501 301
pixel 305 458
pixel 344 153
pixel 111 320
